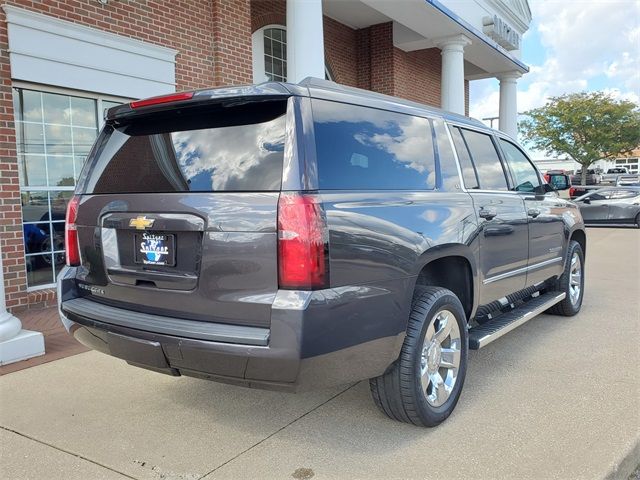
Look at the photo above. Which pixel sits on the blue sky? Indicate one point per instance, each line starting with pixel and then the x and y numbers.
pixel 573 45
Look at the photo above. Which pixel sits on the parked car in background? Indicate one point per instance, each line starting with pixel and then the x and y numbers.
pixel 611 206
pixel 576 191
pixel 628 181
pixel 612 174
pixel 594 177
pixel 298 236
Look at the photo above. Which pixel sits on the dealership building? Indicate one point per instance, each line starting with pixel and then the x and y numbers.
pixel 64 62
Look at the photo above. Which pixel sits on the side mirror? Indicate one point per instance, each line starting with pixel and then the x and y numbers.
pixel 587 201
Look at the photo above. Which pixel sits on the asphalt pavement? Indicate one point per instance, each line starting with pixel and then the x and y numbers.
pixel 558 398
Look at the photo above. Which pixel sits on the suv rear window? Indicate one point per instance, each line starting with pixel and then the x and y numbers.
pixel 369 149
pixel 210 149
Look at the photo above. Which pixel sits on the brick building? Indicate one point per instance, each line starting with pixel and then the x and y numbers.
pixel 62 62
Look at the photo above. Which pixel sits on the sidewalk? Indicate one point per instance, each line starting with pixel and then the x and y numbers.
pixel 57 342
pixel 558 398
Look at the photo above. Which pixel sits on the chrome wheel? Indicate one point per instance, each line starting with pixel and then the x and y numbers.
pixel 575 279
pixel 440 360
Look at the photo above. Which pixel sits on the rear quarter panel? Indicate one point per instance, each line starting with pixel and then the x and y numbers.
pixel 385 238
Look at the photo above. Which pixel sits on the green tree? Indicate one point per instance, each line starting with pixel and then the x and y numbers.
pixel 586 126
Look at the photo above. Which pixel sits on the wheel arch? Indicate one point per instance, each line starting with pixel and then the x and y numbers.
pixel 452 267
pixel 580 236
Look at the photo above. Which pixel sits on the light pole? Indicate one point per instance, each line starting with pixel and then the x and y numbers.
pixel 15 343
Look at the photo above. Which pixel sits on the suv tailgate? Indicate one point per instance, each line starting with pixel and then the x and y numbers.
pixel 178 213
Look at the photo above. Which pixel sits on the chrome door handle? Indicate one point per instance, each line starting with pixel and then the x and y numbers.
pixel 487 213
pixel 533 212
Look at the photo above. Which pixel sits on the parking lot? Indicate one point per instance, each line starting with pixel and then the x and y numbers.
pixel 555 398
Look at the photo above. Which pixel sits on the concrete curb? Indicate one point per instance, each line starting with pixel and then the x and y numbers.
pixel 626 466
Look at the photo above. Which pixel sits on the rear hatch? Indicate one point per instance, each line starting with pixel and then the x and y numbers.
pixel 177 213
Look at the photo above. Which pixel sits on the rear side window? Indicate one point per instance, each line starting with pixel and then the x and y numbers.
pixel 469 174
pixel 620 194
pixel 491 175
pixel 209 150
pixel 369 149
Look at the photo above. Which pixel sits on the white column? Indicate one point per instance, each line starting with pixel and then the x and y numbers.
pixel 305 40
pixel 15 344
pixel 509 103
pixel 452 78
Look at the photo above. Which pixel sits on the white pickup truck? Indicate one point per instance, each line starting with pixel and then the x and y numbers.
pixel 612 174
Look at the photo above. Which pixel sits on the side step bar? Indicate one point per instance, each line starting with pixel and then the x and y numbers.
pixel 486 333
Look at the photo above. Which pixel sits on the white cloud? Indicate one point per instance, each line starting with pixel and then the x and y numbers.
pixel 586 44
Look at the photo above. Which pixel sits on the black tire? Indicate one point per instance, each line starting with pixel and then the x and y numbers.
pixel 638 220
pixel 399 393
pixel 569 307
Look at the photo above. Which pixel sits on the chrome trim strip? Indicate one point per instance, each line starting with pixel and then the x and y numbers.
pixel 518 271
pixel 487 339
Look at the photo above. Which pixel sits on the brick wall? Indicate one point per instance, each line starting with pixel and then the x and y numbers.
pixel 268 12
pixel 417 75
pixel 12 245
pixel 232 42
pixel 381 58
pixel 466 97
pixel 213 38
pixel 341 51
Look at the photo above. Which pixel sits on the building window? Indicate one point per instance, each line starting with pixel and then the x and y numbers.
pixel 270 55
pixel 275 54
pixel 54 133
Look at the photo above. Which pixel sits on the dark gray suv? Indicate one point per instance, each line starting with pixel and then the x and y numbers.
pixel 297 236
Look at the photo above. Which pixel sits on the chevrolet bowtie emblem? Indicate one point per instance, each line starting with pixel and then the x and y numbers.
pixel 140 223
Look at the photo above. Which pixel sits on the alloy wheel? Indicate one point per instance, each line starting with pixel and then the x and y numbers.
pixel 575 280
pixel 440 359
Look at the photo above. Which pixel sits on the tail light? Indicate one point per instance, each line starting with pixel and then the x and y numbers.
pixel 303 243
pixel 71 233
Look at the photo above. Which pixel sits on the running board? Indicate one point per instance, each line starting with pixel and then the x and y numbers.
pixel 486 333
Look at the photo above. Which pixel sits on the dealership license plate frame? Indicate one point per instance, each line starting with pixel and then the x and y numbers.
pixel 170 241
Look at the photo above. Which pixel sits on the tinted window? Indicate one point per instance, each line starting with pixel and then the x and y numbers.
pixel 485 158
pixel 468 170
pixel 525 174
pixel 558 181
pixel 365 148
pixel 620 194
pixel 217 149
pixel 601 195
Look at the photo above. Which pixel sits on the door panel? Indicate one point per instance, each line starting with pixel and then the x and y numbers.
pixel 544 215
pixel 504 242
pixel 546 236
pixel 597 211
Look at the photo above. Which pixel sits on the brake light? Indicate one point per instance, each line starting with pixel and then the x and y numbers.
pixel 71 233
pixel 303 243
pixel 174 97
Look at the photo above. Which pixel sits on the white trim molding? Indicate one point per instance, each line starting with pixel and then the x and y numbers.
pixel 50 51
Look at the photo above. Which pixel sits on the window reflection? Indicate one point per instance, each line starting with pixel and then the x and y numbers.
pixel 227 158
pixel 491 176
pixel 525 174
pixel 364 148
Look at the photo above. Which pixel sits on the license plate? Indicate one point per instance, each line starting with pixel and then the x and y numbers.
pixel 155 249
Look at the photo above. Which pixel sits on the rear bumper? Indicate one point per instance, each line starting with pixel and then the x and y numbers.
pixel 315 339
